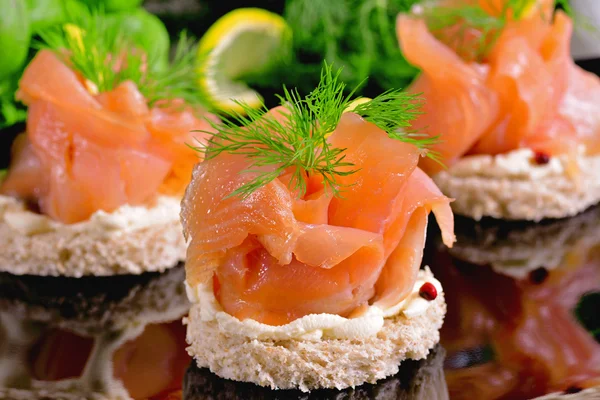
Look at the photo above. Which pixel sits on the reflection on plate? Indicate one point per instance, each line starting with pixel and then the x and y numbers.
pixel 423 380
pixel 518 248
pixel 523 308
pixel 93 338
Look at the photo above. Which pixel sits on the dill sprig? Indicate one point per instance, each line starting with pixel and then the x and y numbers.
pixel 296 139
pixel 393 112
pixel 94 47
pixel 179 80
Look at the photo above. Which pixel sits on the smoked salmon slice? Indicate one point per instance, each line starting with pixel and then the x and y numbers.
pixel 83 152
pixel 275 256
pixel 524 91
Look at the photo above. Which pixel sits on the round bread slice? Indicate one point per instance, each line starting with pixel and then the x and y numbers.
pixel 133 240
pixel 515 186
pixel 415 380
pixel 314 364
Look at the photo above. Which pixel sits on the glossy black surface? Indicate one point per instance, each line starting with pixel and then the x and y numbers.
pixel 523 321
pixel 523 307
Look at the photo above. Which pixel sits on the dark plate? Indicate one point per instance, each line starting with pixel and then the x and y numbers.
pixel 523 321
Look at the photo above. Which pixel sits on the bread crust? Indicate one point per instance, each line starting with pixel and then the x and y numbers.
pixel 75 252
pixel 312 364
pixel 416 380
pixel 519 196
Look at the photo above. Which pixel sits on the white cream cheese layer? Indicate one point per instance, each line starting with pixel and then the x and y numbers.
pixel 314 326
pixel 516 164
pixel 165 210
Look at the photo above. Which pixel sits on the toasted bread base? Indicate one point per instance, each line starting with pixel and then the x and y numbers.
pixel 75 253
pixel 416 380
pixel 520 198
pixel 313 364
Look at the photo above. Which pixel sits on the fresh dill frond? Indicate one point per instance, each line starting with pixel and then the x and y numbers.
pixel 319 25
pixel 393 112
pixel 94 47
pixel 86 43
pixel 358 35
pixel 179 80
pixel 296 139
pixel 11 111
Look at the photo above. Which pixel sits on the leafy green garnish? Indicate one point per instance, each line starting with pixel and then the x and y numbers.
pixel 393 111
pixel 3 173
pixel 297 138
pixel 11 112
pixel 180 79
pixel 358 35
pixel 94 46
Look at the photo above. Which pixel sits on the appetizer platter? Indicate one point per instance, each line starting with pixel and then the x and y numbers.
pixel 299 199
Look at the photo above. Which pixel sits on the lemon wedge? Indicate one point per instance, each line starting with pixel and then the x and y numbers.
pixel 75 33
pixel 352 106
pixel 243 42
pixel 356 102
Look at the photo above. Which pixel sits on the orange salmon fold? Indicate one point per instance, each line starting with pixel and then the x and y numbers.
pixel 83 152
pixel 274 257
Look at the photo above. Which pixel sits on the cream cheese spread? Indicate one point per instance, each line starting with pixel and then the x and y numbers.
pixel 514 186
pixel 516 164
pixel 127 217
pixel 314 326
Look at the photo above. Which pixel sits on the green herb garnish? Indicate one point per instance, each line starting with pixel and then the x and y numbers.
pixel 393 111
pixel 94 47
pixel 358 35
pixel 11 112
pixel 298 138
